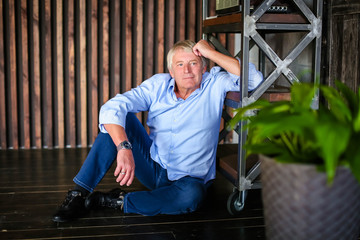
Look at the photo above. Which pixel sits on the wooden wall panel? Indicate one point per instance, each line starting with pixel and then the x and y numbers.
pixel 59 121
pixel 128 44
pixel 45 73
pixel 343 43
pixel 93 108
pixel 11 87
pixel 160 29
pixel 34 70
pixel 61 60
pixel 69 52
pixel 148 66
pixel 3 132
pixel 180 20
pixel 138 46
pixel 104 82
pixel 191 19
pixel 24 111
pixel 114 64
pixel 82 74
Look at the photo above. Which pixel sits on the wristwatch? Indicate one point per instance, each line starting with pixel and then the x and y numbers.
pixel 124 145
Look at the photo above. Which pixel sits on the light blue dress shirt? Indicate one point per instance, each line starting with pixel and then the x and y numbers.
pixel 184 132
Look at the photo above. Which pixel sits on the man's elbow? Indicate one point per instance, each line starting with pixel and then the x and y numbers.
pixel 255 78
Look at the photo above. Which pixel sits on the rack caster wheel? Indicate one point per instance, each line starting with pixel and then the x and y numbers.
pixel 236 202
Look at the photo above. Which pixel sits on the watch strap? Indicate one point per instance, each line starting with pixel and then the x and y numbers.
pixel 124 145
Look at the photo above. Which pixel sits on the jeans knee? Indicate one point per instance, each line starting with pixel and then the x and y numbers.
pixel 191 196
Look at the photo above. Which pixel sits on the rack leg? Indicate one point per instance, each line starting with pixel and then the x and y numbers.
pixel 236 202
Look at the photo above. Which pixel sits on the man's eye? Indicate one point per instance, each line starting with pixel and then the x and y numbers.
pixel 193 63
pixel 180 65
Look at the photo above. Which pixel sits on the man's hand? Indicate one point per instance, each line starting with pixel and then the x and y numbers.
pixel 230 64
pixel 203 49
pixel 125 169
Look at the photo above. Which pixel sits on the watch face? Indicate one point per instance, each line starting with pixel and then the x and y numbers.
pixel 127 145
pixel 124 145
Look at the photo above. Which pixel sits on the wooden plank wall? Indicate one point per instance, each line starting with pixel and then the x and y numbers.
pixel 342 47
pixel 61 60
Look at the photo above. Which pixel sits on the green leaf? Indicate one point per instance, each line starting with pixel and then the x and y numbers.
pixel 291 131
pixel 337 104
pixel 282 123
pixel 240 113
pixel 353 156
pixel 332 140
pixel 266 148
pixel 349 96
pixel 302 95
pixel 357 115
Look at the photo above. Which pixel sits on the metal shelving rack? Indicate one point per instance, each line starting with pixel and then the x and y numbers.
pixel 253 26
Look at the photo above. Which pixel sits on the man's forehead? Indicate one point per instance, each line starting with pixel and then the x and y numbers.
pixel 181 55
pixel 188 60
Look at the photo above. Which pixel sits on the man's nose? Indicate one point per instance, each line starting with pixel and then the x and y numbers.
pixel 187 68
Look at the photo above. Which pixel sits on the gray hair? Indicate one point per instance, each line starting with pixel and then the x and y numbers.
pixel 186 45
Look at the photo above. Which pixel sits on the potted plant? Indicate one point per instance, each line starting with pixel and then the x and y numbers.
pixel 310 169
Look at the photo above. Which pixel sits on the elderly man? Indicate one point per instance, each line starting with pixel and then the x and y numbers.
pixel 176 160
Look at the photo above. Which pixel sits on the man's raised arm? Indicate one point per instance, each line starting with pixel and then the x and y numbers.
pixel 230 64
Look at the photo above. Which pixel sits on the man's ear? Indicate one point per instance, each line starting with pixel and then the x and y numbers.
pixel 204 70
pixel 171 73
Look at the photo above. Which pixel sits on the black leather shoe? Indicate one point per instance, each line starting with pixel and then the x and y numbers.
pixel 73 207
pixel 113 199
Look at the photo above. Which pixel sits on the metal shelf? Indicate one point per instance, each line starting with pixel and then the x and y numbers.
pixel 253 26
pixel 272 21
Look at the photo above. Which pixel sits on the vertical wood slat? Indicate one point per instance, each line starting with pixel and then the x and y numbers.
pixel 25 74
pixel 137 66
pixel 351 34
pixel 59 74
pixel 66 58
pixel 94 67
pixel 148 66
pixel 83 82
pixel 343 43
pixel 128 45
pixel 3 132
pixel 160 36
pixel 23 78
pixel 105 50
pixel 12 87
pixel 116 49
pixel 170 24
pixel 191 24
pixel 70 78
pixel 180 20
pixel 35 76
pixel 45 73
pixel 77 72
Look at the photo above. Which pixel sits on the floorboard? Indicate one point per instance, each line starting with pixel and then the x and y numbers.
pixel 35 182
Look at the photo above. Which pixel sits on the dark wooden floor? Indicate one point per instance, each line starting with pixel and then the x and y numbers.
pixel 34 183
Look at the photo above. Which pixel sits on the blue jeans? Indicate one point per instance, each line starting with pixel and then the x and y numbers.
pixel 164 196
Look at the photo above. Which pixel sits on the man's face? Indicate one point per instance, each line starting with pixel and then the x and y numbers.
pixel 187 70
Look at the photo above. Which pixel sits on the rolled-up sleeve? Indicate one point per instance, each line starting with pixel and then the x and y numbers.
pixel 255 78
pixel 136 100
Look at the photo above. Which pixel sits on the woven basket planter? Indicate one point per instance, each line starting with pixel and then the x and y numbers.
pixel 298 203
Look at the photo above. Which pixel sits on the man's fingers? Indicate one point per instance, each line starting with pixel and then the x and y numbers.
pixel 117 171
pixel 126 178
pixel 125 168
